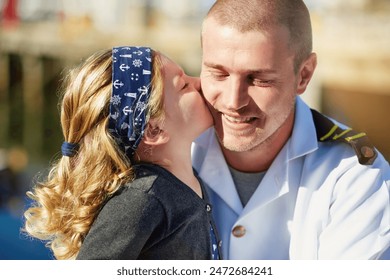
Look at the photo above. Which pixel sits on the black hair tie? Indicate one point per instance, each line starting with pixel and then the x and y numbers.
pixel 69 149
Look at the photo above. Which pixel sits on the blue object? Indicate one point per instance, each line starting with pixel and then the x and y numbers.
pixel 15 245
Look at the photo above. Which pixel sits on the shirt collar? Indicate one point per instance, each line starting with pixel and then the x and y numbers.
pixel 303 139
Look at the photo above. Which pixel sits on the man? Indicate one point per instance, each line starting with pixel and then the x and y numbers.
pixel 286 182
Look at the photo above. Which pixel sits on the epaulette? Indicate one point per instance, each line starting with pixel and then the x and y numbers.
pixel 327 131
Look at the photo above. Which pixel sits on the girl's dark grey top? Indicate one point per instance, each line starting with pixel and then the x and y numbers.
pixel 154 217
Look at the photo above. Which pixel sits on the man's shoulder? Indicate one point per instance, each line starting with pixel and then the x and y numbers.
pixel 332 132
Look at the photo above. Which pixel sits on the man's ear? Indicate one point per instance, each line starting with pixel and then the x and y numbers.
pixel 154 135
pixel 306 71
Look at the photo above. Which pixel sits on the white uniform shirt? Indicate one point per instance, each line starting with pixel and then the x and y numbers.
pixel 315 202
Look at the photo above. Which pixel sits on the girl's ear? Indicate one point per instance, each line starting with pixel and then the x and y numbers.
pixel 154 135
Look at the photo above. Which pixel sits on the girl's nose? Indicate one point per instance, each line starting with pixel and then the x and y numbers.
pixel 195 81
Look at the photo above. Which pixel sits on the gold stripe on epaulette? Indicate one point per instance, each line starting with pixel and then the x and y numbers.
pixel 337 136
pixel 333 129
pixel 359 135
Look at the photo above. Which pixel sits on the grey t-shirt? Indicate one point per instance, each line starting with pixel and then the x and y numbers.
pixel 246 183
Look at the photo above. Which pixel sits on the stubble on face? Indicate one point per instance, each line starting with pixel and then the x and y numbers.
pixel 261 135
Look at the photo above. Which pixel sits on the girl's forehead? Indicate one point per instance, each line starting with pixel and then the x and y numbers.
pixel 170 67
pixel 166 60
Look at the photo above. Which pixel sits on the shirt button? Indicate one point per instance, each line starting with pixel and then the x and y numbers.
pixel 239 231
pixel 367 151
pixel 208 208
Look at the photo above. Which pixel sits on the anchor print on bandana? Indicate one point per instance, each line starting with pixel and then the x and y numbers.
pixel 131 78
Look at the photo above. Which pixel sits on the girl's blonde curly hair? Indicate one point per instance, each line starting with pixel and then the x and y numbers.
pixel 66 202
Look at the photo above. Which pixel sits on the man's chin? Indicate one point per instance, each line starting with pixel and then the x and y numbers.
pixel 235 144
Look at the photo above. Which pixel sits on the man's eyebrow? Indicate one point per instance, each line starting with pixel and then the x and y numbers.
pixel 213 65
pixel 262 71
pixel 252 71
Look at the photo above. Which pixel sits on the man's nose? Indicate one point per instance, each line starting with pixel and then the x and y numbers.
pixel 236 95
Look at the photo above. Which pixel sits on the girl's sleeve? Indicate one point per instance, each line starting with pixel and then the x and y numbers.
pixel 123 226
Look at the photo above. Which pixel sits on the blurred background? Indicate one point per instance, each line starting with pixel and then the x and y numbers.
pixel 40 39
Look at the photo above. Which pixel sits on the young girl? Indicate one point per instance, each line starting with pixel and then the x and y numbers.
pixel 125 187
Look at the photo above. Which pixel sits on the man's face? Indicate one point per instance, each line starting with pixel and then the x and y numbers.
pixel 249 82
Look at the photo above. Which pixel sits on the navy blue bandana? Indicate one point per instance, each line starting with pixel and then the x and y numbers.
pixel 131 82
